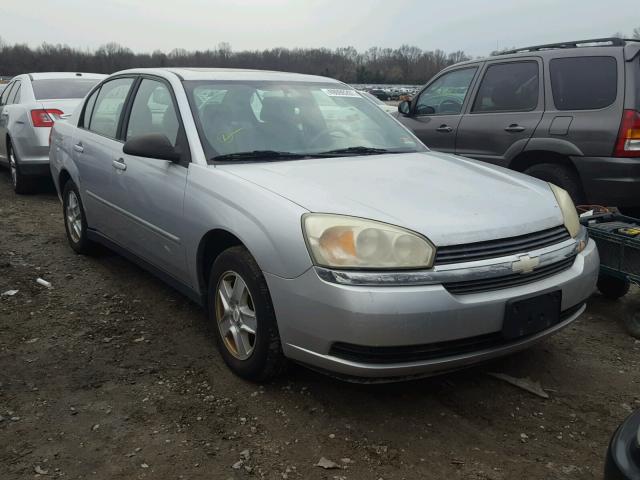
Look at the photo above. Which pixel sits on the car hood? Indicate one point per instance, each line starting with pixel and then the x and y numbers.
pixel 449 199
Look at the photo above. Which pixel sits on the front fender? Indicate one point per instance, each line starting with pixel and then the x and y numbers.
pixel 266 223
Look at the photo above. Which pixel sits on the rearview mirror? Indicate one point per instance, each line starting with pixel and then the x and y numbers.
pixel 404 107
pixel 152 145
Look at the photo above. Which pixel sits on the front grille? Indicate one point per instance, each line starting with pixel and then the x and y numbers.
pixel 508 281
pixel 430 351
pixel 502 247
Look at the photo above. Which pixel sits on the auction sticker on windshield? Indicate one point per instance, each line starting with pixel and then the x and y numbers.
pixel 340 92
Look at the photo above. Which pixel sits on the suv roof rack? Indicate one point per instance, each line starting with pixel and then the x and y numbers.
pixel 607 42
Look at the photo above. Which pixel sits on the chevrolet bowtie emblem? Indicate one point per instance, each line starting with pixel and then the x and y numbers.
pixel 525 264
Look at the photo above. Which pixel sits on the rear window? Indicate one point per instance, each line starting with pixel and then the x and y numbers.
pixel 62 88
pixel 583 83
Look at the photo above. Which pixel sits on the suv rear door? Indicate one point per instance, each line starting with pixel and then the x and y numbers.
pixel 506 109
pixel 435 113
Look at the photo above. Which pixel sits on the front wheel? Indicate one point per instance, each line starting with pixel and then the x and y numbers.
pixel 244 319
pixel 75 221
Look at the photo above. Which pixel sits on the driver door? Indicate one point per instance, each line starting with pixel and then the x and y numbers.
pixel 436 112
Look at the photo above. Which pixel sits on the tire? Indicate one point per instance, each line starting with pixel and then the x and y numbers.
pixel 632 324
pixel 22 184
pixel 257 357
pixel 612 287
pixel 559 175
pixel 73 213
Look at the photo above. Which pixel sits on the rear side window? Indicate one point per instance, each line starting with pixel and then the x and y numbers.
pixel 15 94
pixel 5 93
pixel 88 109
pixel 62 88
pixel 108 107
pixel 583 83
pixel 508 87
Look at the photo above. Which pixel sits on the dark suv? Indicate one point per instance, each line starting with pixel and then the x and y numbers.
pixel 567 113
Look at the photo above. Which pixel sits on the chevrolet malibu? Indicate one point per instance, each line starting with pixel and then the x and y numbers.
pixel 312 226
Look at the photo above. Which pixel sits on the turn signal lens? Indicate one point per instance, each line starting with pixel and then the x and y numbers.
pixel 350 242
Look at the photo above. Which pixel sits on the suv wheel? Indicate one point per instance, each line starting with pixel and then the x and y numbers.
pixel 612 287
pixel 75 221
pixel 245 323
pixel 21 183
pixel 561 176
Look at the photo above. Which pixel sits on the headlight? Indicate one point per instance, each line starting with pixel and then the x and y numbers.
pixel 349 242
pixel 571 219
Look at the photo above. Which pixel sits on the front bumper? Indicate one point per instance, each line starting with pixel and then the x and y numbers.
pixel 610 181
pixel 314 315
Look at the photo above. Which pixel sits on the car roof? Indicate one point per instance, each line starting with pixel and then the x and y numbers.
pixel 56 75
pixel 231 74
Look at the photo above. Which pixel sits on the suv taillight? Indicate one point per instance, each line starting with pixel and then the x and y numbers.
pixel 44 117
pixel 628 143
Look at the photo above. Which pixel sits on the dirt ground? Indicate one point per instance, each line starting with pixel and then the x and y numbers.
pixel 110 374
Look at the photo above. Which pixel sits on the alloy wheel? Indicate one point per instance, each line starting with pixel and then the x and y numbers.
pixel 14 169
pixel 236 315
pixel 74 217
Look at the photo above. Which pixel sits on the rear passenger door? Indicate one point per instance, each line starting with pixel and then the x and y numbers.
pixel 95 148
pixel 506 109
pixel 435 113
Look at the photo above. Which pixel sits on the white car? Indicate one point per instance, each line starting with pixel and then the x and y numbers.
pixel 29 105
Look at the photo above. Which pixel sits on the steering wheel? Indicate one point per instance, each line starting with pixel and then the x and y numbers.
pixel 342 133
pixel 449 105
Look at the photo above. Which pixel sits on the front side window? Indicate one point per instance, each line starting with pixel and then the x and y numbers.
pixel 303 118
pixel 153 111
pixel 108 107
pixel 446 95
pixel 60 88
pixel 508 87
pixel 583 83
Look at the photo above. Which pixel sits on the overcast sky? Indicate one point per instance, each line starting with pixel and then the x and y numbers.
pixel 475 26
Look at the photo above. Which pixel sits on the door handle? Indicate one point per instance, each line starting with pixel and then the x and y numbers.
pixel 514 128
pixel 78 147
pixel 444 129
pixel 119 164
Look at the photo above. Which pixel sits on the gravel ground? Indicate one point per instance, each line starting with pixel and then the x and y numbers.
pixel 111 374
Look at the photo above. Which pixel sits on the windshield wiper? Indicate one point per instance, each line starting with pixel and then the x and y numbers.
pixel 360 150
pixel 259 155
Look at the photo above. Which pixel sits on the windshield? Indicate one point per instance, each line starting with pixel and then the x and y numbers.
pixel 60 88
pixel 299 117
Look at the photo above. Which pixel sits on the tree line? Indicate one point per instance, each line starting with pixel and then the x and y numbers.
pixel 407 64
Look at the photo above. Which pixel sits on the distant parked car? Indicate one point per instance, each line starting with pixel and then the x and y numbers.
pixel 380 94
pixel 567 113
pixel 314 227
pixel 378 102
pixel 29 106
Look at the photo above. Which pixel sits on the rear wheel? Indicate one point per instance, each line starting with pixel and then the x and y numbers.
pixel 244 320
pixel 21 183
pixel 75 221
pixel 559 175
pixel 612 287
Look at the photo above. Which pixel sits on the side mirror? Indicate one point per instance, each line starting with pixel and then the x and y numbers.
pixel 404 107
pixel 152 145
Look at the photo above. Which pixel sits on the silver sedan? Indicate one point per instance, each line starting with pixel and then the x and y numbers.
pixel 29 105
pixel 313 226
